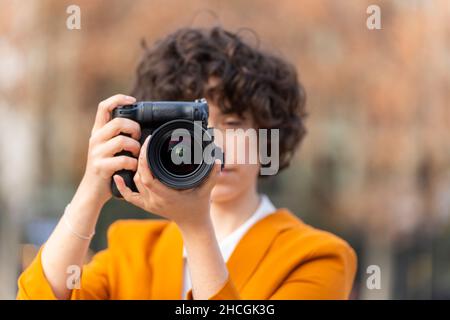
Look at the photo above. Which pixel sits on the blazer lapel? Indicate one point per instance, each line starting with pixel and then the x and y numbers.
pixel 167 265
pixel 251 249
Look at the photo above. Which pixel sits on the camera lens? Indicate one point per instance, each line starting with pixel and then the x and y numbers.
pixel 178 148
pixel 171 154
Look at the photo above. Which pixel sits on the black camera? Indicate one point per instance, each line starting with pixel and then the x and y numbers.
pixel 181 149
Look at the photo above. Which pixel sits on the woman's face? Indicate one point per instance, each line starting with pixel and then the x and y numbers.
pixel 235 179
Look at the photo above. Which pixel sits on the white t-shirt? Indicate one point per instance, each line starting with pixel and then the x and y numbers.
pixel 228 244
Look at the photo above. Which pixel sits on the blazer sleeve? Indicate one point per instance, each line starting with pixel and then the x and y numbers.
pixel 100 277
pixel 33 284
pixel 94 284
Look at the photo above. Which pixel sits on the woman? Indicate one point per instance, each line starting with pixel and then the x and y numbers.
pixel 221 240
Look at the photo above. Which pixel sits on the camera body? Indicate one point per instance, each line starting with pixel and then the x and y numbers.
pixel 163 120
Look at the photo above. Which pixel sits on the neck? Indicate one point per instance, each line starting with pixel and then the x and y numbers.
pixel 227 216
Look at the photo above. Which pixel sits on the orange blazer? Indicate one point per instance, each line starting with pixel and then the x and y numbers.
pixel 280 257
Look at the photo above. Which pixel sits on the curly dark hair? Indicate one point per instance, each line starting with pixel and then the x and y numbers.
pixel 247 80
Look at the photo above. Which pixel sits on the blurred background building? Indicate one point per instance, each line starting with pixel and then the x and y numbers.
pixel 374 168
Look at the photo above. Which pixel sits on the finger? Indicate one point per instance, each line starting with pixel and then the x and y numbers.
pixel 145 174
pixel 113 164
pixel 130 196
pixel 151 196
pixel 106 106
pixel 117 144
pixel 143 189
pixel 115 127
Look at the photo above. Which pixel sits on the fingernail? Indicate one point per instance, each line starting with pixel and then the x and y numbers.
pixel 130 98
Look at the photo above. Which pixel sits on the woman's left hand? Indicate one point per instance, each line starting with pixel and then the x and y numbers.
pixel 181 206
pixel 189 209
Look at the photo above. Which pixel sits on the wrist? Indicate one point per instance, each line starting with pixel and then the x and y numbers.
pixel 81 218
pixel 197 227
pixel 92 193
pixel 87 198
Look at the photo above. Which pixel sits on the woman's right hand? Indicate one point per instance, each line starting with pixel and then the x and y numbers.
pixel 104 143
pixel 65 247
